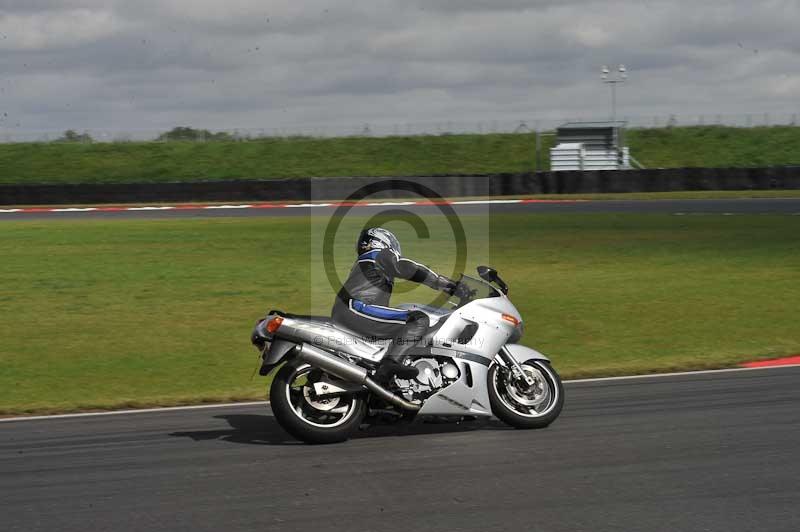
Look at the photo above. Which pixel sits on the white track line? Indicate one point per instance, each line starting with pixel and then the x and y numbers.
pixel 24 210
pixel 263 403
pixel 485 202
pixel 677 374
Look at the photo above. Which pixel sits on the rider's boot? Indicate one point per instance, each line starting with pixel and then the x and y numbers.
pixel 391 367
pixel 392 364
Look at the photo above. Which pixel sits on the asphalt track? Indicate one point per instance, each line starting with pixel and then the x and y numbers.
pixel 788 206
pixel 711 452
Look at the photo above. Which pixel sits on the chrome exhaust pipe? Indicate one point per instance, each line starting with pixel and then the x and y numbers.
pixel 331 364
pixel 349 372
pixel 388 396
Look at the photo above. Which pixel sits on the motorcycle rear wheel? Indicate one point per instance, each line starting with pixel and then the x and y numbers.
pixel 525 407
pixel 308 418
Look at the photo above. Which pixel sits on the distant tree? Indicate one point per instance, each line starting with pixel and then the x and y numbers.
pixel 71 135
pixel 189 133
pixel 672 122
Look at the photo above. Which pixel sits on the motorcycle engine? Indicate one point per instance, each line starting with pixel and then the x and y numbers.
pixel 433 375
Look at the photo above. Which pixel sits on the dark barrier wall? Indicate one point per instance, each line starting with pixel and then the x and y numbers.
pixel 657 180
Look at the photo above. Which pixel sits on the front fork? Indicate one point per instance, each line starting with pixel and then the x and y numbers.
pixel 515 368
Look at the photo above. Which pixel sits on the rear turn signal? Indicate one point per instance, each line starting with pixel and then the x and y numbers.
pixel 274 324
pixel 511 319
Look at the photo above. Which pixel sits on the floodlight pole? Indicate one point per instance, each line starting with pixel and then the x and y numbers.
pixel 613 100
pixel 620 78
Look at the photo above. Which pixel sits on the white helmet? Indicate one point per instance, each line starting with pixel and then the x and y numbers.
pixel 377 238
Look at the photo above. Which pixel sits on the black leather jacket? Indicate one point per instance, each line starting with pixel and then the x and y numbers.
pixel 372 278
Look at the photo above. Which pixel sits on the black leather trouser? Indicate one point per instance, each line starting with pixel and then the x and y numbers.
pixel 404 336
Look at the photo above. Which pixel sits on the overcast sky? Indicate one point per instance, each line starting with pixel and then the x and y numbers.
pixel 150 64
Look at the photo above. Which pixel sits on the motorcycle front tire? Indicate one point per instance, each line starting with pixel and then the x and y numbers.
pixel 515 414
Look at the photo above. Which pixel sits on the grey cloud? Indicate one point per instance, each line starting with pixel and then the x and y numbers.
pixel 250 63
pixel 40 6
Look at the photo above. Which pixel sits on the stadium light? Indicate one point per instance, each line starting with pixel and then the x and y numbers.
pixel 620 77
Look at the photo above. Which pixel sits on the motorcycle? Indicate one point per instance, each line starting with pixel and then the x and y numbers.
pixel 469 364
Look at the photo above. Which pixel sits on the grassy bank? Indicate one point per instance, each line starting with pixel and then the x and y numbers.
pixel 393 156
pixel 132 313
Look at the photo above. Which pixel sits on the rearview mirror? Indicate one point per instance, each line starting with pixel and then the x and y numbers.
pixel 490 276
pixel 487 274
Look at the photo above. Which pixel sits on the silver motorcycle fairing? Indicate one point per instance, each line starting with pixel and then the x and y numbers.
pixel 491 335
pixel 492 332
pixel 327 336
pixel 462 399
pixel 468 396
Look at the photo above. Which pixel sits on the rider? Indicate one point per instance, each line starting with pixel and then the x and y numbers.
pixel 362 303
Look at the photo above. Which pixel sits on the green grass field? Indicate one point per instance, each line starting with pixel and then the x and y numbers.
pixel 133 313
pixel 393 156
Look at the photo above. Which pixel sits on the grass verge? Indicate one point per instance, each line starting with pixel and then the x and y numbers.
pixel 136 313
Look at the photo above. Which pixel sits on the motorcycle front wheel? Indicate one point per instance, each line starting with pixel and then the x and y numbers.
pixel 310 418
pixel 523 406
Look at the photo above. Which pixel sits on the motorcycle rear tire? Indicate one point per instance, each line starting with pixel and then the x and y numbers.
pixel 291 421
